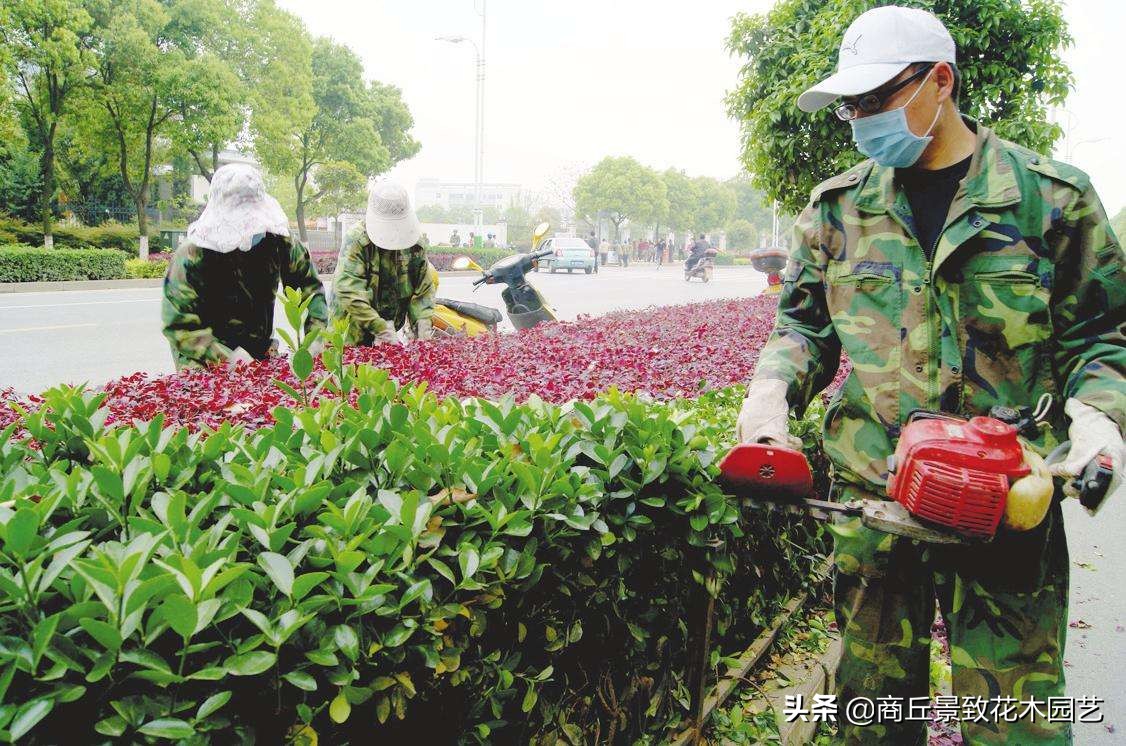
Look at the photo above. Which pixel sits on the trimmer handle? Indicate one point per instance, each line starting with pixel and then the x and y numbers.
pixel 1094 481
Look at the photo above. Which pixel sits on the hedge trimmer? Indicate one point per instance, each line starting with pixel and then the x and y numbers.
pixel 951 480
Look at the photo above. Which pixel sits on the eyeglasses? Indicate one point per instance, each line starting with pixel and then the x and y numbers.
pixel 870 103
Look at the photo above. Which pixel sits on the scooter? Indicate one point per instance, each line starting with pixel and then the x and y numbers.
pixel 703 269
pixel 524 304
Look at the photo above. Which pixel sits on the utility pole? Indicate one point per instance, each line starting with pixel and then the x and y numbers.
pixel 479 123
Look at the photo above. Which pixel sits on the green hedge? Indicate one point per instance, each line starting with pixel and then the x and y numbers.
pixel 137 269
pixel 724 260
pixel 116 236
pixel 26 264
pixel 385 566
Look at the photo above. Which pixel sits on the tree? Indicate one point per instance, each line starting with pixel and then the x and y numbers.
pixel 48 59
pixel 741 234
pixel 150 76
pixel 622 189
pixel 1009 59
pixel 356 132
pixel 683 200
pixel 715 204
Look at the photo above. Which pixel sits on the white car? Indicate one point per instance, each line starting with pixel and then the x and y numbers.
pixel 568 253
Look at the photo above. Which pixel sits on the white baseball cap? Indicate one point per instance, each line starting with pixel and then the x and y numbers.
pixel 391 222
pixel 877 46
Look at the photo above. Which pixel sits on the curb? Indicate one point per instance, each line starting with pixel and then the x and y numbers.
pixel 51 287
pixel 813 676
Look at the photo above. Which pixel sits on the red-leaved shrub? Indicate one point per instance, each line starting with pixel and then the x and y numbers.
pixel 668 352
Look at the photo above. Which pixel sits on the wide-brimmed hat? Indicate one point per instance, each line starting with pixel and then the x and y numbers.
pixel 877 46
pixel 391 222
pixel 238 209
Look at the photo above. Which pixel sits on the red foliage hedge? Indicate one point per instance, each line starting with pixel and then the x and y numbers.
pixel 669 352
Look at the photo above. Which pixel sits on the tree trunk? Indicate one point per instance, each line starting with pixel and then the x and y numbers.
pixel 214 158
pixel 139 202
pixel 47 197
pixel 301 231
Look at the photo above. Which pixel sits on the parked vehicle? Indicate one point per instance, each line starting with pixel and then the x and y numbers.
pixel 524 304
pixel 569 253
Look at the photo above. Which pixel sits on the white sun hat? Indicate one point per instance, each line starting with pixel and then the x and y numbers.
pixel 238 208
pixel 877 46
pixel 391 222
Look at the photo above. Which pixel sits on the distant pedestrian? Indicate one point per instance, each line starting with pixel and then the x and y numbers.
pixel 603 250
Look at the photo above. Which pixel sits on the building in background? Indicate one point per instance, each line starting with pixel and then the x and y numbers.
pixel 452 194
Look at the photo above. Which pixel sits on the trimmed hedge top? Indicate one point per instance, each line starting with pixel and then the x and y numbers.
pixel 26 264
pixel 116 236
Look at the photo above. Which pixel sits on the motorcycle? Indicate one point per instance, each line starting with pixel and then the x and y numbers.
pixel 703 268
pixel 524 304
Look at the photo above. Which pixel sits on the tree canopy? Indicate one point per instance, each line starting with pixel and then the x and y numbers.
pixel 1008 56
pixel 621 189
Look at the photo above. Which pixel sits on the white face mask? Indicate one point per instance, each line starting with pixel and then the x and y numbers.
pixel 886 137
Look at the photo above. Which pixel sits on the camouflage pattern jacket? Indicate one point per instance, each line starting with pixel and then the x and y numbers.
pixel 1025 296
pixel 376 289
pixel 216 302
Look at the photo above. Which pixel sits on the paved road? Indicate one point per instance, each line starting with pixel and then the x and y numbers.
pixel 94 336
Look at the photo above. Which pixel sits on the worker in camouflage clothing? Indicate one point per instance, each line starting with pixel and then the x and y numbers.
pixel 383 278
pixel 221 283
pixel 958 271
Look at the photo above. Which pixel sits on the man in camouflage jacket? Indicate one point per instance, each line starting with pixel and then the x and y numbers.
pixel 219 290
pixel 382 277
pixel 1017 291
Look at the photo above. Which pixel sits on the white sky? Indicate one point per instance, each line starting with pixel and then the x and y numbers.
pixel 571 82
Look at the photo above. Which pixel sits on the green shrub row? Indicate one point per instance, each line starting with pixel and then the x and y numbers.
pixel 383 566
pixel 138 269
pixel 26 264
pixel 116 236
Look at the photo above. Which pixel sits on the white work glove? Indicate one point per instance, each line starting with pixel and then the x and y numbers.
pixel 1091 433
pixel 238 355
pixel 387 337
pixel 423 329
pixel 765 415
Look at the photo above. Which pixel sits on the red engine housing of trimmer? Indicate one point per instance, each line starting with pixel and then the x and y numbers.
pixel 956 472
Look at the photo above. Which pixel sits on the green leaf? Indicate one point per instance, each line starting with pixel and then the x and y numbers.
pixel 28 716
pixel 397 636
pixel 530 697
pixel 302 364
pixel 468 560
pixel 212 704
pixel 307 582
pixel 106 634
pixel 301 680
pixel 171 728
pixel 21 531
pixel 249 664
pixel 181 614
pixel 279 569
pixel 340 708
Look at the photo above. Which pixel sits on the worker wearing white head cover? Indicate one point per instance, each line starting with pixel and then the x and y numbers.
pixel 219 291
pixel 383 278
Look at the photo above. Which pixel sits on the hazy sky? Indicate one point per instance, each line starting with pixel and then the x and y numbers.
pixel 571 82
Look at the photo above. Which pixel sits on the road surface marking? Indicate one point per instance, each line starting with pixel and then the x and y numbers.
pixel 43 328
pixel 86 303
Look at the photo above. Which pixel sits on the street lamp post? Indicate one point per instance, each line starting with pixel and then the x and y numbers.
pixel 479 124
